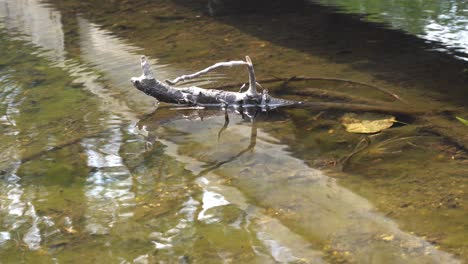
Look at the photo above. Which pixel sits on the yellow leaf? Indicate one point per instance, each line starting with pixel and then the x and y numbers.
pixel 367 122
pixel 463 121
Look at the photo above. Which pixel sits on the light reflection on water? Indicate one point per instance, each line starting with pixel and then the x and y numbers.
pixel 108 187
pixel 441 21
pixel 324 209
pixel 117 60
pixel 38 24
pixel 12 207
pixel 278 242
pixel 109 184
pixel 123 206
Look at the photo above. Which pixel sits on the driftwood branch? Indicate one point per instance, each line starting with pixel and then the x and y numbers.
pixel 193 95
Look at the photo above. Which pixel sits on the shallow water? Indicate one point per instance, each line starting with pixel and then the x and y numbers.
pixel 93 171
pixel 445 22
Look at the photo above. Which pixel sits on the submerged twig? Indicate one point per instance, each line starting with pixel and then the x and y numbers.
pixel 383 90
pixel 311 78
pixel 364 108
pixel 362 145
pixel 59 147
pixel 334 95
pixel 378 148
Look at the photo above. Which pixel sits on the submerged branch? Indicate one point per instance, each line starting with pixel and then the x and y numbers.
pixel 383 90
pixel 364 108
pixel 334 96
pixel 310 78
pixel 63 145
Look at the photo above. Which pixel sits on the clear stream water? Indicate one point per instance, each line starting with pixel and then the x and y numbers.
pixel 92 171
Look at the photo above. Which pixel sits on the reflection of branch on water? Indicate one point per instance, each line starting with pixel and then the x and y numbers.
pixel 251 146
pixel 226 123
pixel 168 113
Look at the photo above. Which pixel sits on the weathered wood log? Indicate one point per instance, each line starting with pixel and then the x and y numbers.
pixel 205 97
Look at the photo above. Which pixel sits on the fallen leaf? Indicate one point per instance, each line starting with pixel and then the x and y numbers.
pixel 367 123
pixel 463 121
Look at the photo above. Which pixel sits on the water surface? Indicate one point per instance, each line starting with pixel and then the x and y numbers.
pixel 445 22
pixel 93 171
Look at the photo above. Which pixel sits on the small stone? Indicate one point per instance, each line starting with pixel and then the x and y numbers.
pixel 387 238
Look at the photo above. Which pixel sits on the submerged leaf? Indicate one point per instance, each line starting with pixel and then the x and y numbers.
pixel 367 122
pixel 463 121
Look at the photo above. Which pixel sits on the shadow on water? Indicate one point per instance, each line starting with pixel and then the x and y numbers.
pixel 391 55
pixel 435 20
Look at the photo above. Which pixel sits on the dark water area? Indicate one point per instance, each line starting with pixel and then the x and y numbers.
pixel 443 22
pixel 393 55
pixel 94 171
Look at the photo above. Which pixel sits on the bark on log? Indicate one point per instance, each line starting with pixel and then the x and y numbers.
pixel 193 95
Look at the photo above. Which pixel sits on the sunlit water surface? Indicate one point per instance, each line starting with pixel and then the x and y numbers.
pixel 85 179
pixel 442 21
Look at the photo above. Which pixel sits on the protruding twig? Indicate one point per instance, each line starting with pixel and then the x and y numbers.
pixel 146 67
pixel 259 85
pixel 205 71
pixel 242 88
pixel 252 91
